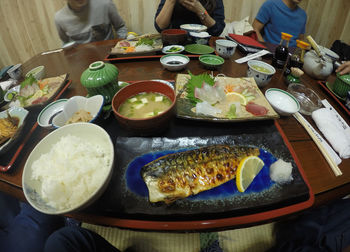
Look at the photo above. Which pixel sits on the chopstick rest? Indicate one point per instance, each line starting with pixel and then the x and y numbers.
pixel 333 131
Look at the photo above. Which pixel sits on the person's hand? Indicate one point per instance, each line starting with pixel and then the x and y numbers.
pixel 192 5
pixel 344 68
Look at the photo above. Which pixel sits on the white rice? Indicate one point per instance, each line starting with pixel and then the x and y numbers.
pixel 281 172
pixel 71 171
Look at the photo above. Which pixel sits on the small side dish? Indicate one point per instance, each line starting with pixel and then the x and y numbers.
pixel 174 62
pixel 11 125
pixel 79 109
pixel 171 49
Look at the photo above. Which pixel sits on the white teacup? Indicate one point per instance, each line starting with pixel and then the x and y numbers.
pixel 225 48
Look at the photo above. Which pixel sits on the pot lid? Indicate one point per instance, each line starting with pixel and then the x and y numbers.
pixel 344 77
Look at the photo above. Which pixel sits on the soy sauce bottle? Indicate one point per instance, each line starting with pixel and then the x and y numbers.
pixel 281 53
pixel 297 58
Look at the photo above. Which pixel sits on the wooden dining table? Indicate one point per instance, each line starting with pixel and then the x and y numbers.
pixel 325 186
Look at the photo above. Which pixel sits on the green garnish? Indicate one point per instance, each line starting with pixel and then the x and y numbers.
pixel 145 41
pixel 28 81
pixel 232 112
pixel 197 81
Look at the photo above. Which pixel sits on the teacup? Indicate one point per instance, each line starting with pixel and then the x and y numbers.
pixel 225 48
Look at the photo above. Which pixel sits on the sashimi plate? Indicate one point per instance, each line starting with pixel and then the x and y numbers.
pixel 243 100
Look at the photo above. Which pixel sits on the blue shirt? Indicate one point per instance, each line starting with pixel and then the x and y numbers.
pixel 183 16
pixel 278 17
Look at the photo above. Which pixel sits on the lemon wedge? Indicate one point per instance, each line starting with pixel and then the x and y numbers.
pixel 247 170
pixel 236 97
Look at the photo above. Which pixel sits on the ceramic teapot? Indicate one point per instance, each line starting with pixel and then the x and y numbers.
pixel 317 67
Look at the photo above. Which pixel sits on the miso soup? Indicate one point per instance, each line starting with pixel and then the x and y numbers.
pixel 261 69
pixel 144 105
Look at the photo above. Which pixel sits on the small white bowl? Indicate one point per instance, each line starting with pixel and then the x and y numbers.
pixel 32 188
pixel 283 102
pixel 174 62
pixel 225 48
pixel 261 78
pixel 15 72
pixel 200 37
pixel 46 115
pixel 173 49
pixel 193 27
pixel 38 72
pixel 93 105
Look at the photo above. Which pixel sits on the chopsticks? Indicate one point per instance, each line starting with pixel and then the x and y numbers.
pixel 311 131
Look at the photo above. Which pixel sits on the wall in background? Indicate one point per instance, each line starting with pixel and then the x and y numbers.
pixel 27 26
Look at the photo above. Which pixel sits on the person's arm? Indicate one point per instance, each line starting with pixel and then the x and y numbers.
pixel 164 13
pixel 117 21
pixel 196 7
pixel 258 26
pixel 344 68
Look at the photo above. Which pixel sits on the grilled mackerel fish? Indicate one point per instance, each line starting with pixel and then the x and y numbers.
pixel 8 128
pixel 182 174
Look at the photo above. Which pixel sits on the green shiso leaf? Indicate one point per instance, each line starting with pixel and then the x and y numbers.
pixel 28 81
pixel 197 81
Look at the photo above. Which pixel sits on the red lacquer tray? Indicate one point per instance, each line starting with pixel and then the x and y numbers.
pixel 31 125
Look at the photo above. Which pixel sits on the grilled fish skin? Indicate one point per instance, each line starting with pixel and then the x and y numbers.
pixel 8 128
pixel 182 174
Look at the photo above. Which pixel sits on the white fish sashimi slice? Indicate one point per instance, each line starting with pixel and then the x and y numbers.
pixel 210 94
pixel 206 109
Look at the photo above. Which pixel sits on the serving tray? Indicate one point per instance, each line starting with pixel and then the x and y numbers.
pixel 125 201
pixel 8 158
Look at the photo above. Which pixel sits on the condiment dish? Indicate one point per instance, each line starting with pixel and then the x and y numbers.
pixel 174 62
pixel 284 103
pixel 79 109
pixel 71 185
pixel 46 115
pixel 210 61
pixel 173 49
pixel 308 99
pixel 12 93
pixel 261 71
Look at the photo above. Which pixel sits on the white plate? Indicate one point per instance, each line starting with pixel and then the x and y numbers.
pixel 49 112
pixel 193 27
pixel 167 49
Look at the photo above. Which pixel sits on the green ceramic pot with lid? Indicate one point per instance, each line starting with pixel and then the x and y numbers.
pixel 342 85
pixel 101 78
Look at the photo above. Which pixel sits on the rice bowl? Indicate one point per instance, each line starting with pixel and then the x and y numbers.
pixel 59 179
